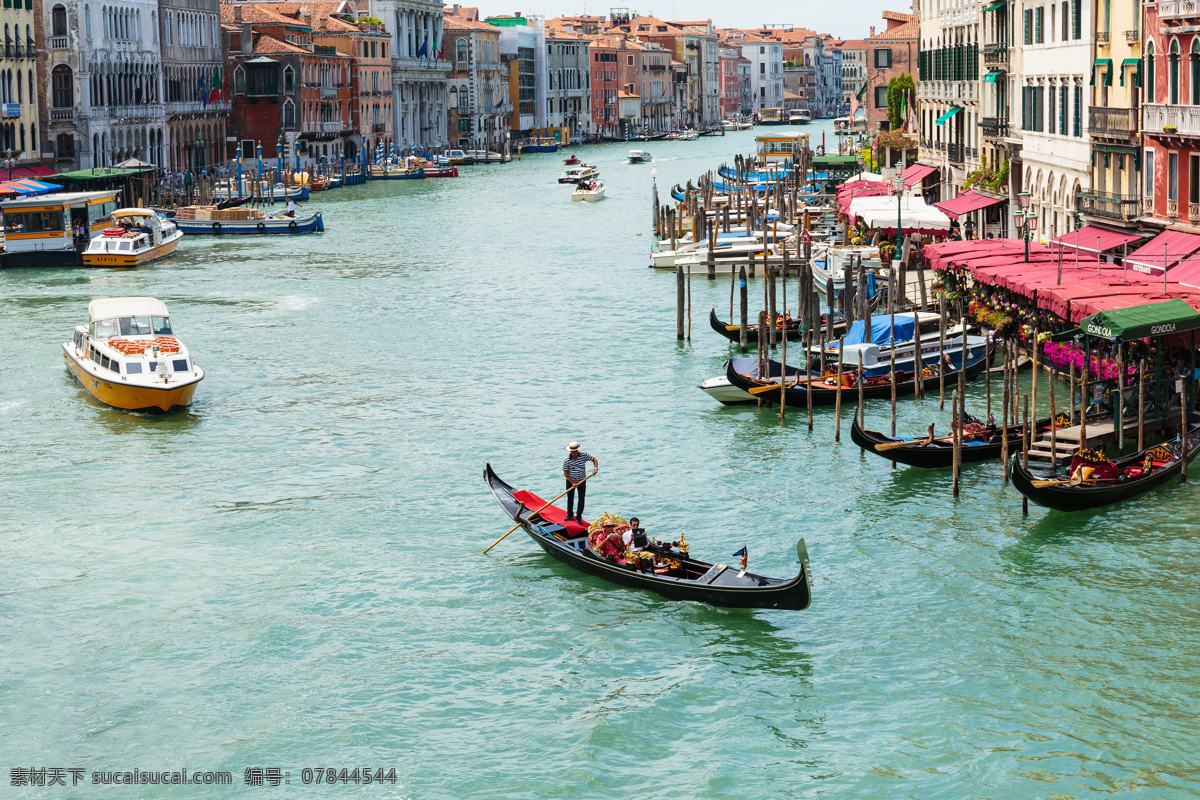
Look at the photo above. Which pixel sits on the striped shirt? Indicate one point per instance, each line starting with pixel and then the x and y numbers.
pixel 576 467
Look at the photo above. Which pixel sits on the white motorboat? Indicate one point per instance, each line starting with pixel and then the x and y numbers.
pixel 830 263
pixel 639 156
pixel 800 116
pixel 588 192
pixel 720 389
pixel 578 174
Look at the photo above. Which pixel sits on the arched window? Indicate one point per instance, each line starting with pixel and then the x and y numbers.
pixel 1195 76
pixel 239 81
pixel 1151 89
pixel 289 79
pixel 58 20
pixel 20 88
pixel 289 113
pixel 62 87
pixel 461 50
pixel 453 97
pixel 462 96
pixel 1173 66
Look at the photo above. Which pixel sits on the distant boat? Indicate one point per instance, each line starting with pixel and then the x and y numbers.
pixel 201 220
pixel 800 116
pixel 588 192
pixel 138 236
pixel 639 156
pixel 577 175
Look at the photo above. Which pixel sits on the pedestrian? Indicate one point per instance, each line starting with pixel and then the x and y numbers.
pixel 574 470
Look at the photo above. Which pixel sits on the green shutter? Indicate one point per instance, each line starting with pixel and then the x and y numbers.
pixel 1078 111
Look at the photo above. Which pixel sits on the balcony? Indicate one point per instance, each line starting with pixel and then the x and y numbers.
pixel 1113 123
pixel 1100 37
pixel 328 92
pixel 1162 119
pixel 133 112
pixel 379 127
pixel 188 107
pixel 420 65
pixel 1175 9
pixel 62 115
pixel 995 55
pixel 60 43
pixel 1119 207
pixel 1132 37
pixel 329 127
pixel 1173 209
pixel 994 127
pixel 955 152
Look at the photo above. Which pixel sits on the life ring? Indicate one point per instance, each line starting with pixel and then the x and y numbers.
pixel 292 226
pixel 262 227
pixel 216 226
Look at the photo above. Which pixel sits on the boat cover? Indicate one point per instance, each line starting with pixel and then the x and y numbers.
pixel 881 330
pixel 552 514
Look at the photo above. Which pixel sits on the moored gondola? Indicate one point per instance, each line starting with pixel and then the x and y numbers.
pixel 1090 480
pixel 794 333
pixel 715 584
pixel 824 390
pixel 939 453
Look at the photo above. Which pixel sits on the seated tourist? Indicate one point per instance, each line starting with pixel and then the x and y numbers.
pixel 635 537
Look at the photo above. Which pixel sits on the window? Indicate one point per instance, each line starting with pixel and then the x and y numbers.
pixel 1066 19
pixel 762 69
pixel 289 114
pixel 1079 110
pixel 1029 26
pixel 239 81
pixel 460 50
pixel 133 368
pixel 883 58
pixel 63 88
pixel 1172 176
pixel 179 364
pixel 1039 16
pixel 1149 84
pixel 1052 115
pixel 1193 179
pixel 1173 73
pixel 881 97
pixel 1062 110
pixel 161 325
pixel 289 79
pixel 1076 21
pixel 58 21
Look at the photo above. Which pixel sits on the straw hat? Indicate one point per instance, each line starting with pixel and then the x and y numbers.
pixel 609 523
pixel 573 446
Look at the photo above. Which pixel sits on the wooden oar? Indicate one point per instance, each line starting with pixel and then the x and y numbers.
pixel 879 448
pixel 534 514
pixel 760 389
pixel 1044 484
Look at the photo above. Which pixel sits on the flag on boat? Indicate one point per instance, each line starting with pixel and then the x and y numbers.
pixel 745 555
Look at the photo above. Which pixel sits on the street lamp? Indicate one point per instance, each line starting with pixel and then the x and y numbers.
pixel 899 186
pixel 1026 228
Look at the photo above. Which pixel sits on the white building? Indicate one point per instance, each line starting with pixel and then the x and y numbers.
pixel 1050 91
pixel 766 70
pixel 420 72
pixel 103 82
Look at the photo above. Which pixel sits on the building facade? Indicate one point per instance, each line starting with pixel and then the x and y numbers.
pixel 948 94
pixel 730 104
pixel 567 84
pixel 195 101
pixel 20 122
pixel 766 70
pixel 523 48
pixel 102 82
pixel 420 72
pixel 479 108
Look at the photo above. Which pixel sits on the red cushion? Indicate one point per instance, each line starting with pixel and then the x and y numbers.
pixel 551 514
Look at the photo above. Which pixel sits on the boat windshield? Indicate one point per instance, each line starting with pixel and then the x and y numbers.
pixel 134 326
pixel 162 326
pixel 104 328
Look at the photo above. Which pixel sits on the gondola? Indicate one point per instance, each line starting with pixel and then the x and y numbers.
pixel 940 452
pixel 715 584
pixel 1166 461
pixel 794 334
pixel 233 202
pixel 796 394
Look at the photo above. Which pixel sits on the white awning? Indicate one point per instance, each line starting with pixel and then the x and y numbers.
pixel 109 307
pixel 914 213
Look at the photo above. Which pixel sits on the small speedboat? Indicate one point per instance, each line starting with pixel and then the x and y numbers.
pixel 574 159
pixel 639 156
pixel 588 191
pixel 138 236
pixel 460 158
pixel 577 175
pixel 398 170
pixel 128 357
pixel 664 568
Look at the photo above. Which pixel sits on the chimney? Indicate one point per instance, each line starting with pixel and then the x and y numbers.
pixel 247 39
pixel 872 30
pixel 237 12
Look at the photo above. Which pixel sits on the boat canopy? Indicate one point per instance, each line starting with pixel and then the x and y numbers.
pixel 881 330
pixel 132 212
pixel 109 307
pixel 1141 322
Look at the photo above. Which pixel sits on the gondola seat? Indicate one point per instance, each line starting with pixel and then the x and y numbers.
pixel 554 515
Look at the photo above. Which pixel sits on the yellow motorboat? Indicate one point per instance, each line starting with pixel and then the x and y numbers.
pixel 138 236
pixel 128 357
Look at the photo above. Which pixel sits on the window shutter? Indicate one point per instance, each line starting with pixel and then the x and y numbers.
pixel 1025 108
pixel 1076 22
pixel 1062 110
pixel 1039 15
pixel 1079 111
pixel 1029 26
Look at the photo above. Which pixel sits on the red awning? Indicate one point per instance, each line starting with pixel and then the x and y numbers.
pixel 916 173
pixel 1187 271
pixel 31 171
pixel 1163 252
pixel 968 201
pixel 1094 239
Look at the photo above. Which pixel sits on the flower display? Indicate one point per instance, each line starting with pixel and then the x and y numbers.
pixel 1065 354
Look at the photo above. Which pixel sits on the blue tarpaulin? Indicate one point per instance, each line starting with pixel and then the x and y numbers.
pixel 881 330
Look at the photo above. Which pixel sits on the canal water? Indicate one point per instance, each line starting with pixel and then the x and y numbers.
pixel 289 574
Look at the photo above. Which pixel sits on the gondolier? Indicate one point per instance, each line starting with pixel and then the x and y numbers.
pixel 575 470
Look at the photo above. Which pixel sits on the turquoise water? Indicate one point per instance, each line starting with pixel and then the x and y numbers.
pixel 289 574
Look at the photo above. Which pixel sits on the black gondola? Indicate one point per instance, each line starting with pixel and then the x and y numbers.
pixel 1083 494
pixel 794 333
pixel 715 584
pixel 940 452
pixel 796 394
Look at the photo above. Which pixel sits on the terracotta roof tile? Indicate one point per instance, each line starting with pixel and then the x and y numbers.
pixel 265 43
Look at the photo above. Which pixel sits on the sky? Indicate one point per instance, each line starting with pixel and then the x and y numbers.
pixel 849 19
